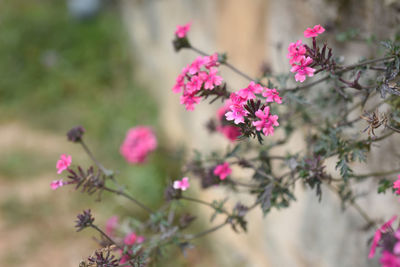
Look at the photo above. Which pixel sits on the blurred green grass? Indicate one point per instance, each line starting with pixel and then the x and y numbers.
pixel 57 72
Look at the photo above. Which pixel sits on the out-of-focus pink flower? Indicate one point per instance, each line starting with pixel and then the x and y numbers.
pixel 63 163
pixel 130 239
pixel 111 225
pixel 222 170
pixel 56 184
pixel 314 31
pixel 272 95
pixel 378 235
pixel 182 30
pixel 182 184
pixel 295 52
pixel 303 70
pixel 138 143
pixel 396 248
pixel 229 131
pixel 124 258
pixel 196 65
pixel 140 239
pixel 396 185
pixel 266 122
pixel 211 61
pixel 389 260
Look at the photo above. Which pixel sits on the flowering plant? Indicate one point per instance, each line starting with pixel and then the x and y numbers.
pixel 260 110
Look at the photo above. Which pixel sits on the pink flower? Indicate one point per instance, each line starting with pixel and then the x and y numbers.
pixel 272 95
pixel 140 239
pixel 180 84
pixel 211 61
pixel 125 258
pixel 194 85
pixel 212 79
pixel 296 52
pixel 111 224
pixel 222 170
pixel 229 131
pixel 238 111
pixel 196 65
pixel 396 248
pixel 182 184
pixel 389 260
pixel 313 32
pixel 56 184
pixel 189 100
pixel 130 239
pixel 378 235
pixel 303 69
pixel 63 163
pixel 266 122
pixel 138 143
pixel 396 185
pixel 181 31
pixel 250 91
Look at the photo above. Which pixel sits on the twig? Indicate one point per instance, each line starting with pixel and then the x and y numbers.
pixel 122 193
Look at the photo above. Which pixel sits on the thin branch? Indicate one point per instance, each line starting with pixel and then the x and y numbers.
pixel 204 203
pixel 105 235
pixel 206 232
pixel 122 193
pixel 376 174
pixel 98 164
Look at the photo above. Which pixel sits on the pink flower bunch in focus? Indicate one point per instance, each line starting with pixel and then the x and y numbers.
pixel 297 54
pixel 222 170
pixel 238 100
pixel 182 30
pixel 266 122
pixel 181 184
pixel 200 75
pixel 229 131
pixel 314 31
pixel 138 143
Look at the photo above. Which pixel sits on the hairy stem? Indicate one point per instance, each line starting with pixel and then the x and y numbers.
pixel 122 193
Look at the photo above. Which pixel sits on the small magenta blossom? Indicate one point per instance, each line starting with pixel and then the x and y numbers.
pixel 63 163
pixel 222 170
pixel 229 131
pixel 314 31
pixel 272 95
pixel 378 235
pixel 302 69
pixel 130 239
pixel 138 143
pixel 212 79
pixel 295 52
pixel 396 185
pixel 389 259
pixel 182 30
pixel 237 111
pixel 189 100
pixel 182 184
pixel 111 225
pixel 266 122
pixel 56 184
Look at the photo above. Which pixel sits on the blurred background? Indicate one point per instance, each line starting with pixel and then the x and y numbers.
pixel 108 66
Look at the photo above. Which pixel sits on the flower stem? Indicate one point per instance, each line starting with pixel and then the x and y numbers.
pixel 122 193
pixel 208 231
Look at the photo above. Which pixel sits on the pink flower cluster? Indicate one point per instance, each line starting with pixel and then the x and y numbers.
pixel 390 256
pixel 182 30
pixel 222 170
pixel 238 100
pixel 130 240
pixel 181 184
pixel 138 143
pixel 297 55
pixel 62 164
pixel 229 131
pixel 201 74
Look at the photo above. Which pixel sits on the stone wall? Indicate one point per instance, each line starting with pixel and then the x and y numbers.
pixel 252 32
